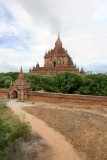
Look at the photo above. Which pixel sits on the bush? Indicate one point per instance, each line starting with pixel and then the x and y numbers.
pixel 7 83
pixel 35 81
pixel 9 132
pixel 21 130
pixel 2 105
pixel 64 82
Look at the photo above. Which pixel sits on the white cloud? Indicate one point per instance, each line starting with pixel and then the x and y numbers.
pixel 83 27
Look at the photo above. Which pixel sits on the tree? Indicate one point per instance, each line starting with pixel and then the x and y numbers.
pixel 7 78
pixel 68 82
pixel 94 84
pixel 64 82
pixel 7 83
pixel 35 81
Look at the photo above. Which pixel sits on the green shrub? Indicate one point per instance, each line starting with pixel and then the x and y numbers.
pixel 21 130
pixel 10 132
pixel 2 105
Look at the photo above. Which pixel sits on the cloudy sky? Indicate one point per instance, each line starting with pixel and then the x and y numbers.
pixel 28 28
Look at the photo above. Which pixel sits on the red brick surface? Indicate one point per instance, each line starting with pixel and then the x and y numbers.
pixel 4 92
pixel 57 97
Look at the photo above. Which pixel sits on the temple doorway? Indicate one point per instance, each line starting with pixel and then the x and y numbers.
pixel 54 64
pixel 14 94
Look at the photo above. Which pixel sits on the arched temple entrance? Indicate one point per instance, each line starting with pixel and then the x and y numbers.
pixel 20 88
pixel 14 94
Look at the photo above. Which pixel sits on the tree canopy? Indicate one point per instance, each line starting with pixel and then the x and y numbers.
pixel 64 82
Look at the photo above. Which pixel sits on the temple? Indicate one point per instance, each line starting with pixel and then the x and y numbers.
pixel 20 88
pixel 56 60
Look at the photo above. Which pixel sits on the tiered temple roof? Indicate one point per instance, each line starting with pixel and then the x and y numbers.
pixel 21 82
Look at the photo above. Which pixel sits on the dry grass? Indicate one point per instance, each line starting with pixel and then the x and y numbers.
pixel 32 148
pixel 87 132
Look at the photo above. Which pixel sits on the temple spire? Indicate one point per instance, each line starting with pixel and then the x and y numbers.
pixel 21 75
pixel 58 43
pixel 58 35
pixel 21 70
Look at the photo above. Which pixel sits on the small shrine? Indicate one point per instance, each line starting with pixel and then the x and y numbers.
pixel 19 90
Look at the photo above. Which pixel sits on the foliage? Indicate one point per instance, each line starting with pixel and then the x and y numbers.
pixel 49 83
pixel 7 78
pixel 94 84
pixel 21 129
pixel 35 81
pixel 7 83
pixel 68 82
pixel 10 132
pixel 13 75
pixel 64 82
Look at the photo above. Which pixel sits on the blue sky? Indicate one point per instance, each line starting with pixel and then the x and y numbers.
pixel 29 28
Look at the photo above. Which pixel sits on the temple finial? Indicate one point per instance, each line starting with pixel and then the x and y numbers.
pixel 21 70
pixel 58 35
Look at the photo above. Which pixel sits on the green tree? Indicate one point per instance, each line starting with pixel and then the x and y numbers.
pixel 68 82
pixel 49 84
pixel 6 78
pixel 35 81
pixel 94 84
pixel 13 75
pixel 64 82
pixel 7 83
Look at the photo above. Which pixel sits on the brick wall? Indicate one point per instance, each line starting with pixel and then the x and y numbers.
pixel 57 97
pixel 4 92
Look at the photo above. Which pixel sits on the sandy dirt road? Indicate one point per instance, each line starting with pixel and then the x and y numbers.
pixel 62 150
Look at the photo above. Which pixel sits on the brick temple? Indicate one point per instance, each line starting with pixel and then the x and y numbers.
pixel 56 60
pixel 20 88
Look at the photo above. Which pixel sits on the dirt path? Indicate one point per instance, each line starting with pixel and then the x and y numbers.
pixel 62 150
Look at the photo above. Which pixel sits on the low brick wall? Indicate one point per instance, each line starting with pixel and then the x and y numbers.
pixel 4 92
pixel 58 97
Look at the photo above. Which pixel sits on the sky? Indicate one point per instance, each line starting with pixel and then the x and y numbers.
pixel 29 28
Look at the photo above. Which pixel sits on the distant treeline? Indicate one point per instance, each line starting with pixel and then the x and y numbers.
pixel 65 82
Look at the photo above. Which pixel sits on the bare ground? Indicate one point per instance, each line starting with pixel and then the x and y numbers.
pixel 84 127
pixel 60 148
pixel 32 148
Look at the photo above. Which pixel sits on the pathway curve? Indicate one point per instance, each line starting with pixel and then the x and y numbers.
pixel 62 150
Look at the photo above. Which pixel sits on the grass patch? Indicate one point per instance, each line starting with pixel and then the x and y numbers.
pixel 11 129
